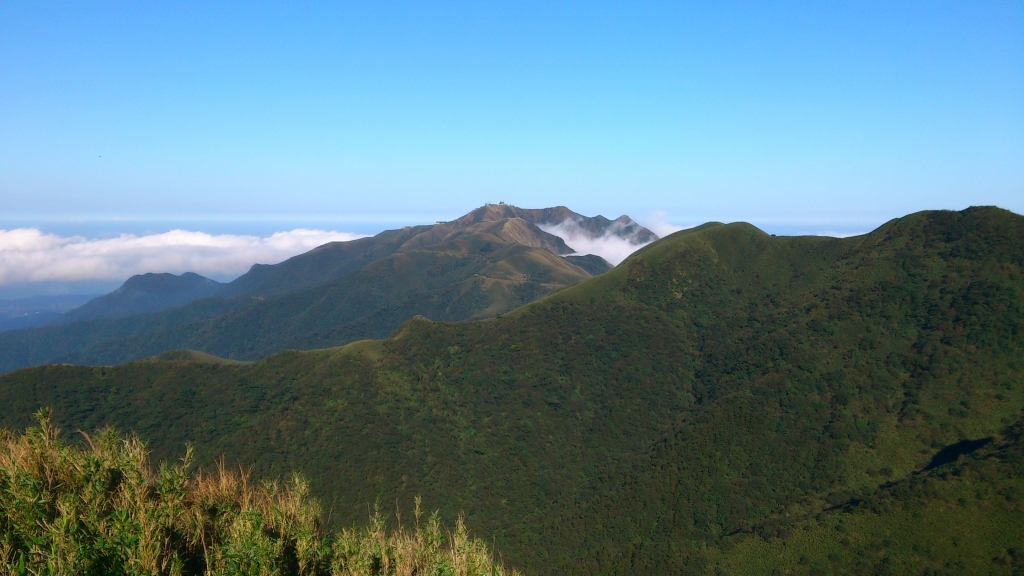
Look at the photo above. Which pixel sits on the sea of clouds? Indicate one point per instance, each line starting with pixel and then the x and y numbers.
pixel 28 255
pixel 610 245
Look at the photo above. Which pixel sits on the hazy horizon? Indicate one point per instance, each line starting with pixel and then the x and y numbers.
pixel 248 120
pixel 240 240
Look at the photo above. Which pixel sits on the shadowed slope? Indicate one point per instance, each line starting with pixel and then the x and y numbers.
pixel 964 517
pixel 36 310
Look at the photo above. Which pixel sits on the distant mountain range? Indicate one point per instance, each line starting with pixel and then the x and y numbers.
pixel 144 293
pixel 37 310
pixel 485 263
pixel 724 401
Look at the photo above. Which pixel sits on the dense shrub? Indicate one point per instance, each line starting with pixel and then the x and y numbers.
pixel 101 509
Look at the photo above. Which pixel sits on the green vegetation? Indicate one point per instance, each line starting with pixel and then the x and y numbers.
pixel 318 266
pixel 19 348
pixel 592 263
pixel 196 356
pixel 103 510
pixel 720 382
pixel 959 518
pixel 473 276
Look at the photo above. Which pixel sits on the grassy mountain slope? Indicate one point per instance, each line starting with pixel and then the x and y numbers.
pixel 473 276
pixel 717 381
pixel 144 293
pixel 237 322
pixel 594 227
pixel 186 355
pixel 502 222
pixel 318 266
pixel 509 223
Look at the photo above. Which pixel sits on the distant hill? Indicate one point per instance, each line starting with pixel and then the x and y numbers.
pixel 473 276
pixel 483 264
pixel 47 344
pixel 37 310
pixel 723 400
pixel 144 293
pixel 592 263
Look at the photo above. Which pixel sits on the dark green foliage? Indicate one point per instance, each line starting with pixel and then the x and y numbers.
pixel 964 516
pixel 715 381
pixel 592 263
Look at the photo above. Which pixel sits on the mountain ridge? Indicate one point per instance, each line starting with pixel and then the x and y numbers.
pixel 716 381
pixel 307 278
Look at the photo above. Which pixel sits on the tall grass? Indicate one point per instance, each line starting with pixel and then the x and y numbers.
pixel 100 508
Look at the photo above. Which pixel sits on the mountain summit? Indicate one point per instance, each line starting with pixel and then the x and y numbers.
pixel 144 293
pixel 622 227
pixel 506 223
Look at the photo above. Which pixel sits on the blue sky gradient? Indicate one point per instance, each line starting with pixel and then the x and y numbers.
pixel 794 115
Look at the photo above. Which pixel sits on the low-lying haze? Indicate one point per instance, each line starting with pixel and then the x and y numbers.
pixel 28 255
pixel 611 246
pixel 86 257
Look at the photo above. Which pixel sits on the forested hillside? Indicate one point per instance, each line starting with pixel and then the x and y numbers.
pixel 957 516
pixel 691 409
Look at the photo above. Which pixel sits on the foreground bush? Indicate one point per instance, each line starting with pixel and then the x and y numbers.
pixel 101 509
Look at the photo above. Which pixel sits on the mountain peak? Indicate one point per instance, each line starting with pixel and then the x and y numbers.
pixel 165 283
pixel 144 293
pixel 591 227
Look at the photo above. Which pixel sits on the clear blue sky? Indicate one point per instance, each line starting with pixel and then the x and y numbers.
pixel 811 114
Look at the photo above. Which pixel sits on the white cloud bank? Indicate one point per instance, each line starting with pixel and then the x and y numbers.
pixel 609 246
pixel 658 224
pixel 835 234
pixel 28 255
